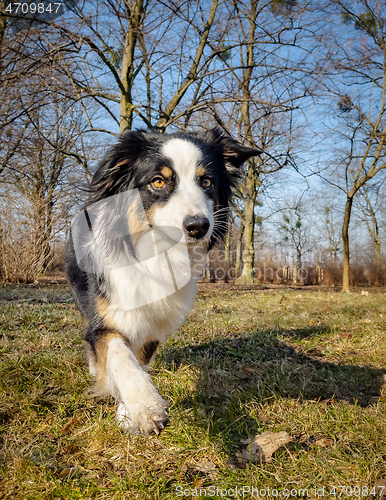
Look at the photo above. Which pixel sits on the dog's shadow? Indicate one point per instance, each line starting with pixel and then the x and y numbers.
pixel 260 367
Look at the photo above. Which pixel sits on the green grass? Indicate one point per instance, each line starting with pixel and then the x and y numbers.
pixel 311 363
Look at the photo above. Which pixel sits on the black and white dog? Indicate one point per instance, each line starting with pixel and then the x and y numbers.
pixel 157 204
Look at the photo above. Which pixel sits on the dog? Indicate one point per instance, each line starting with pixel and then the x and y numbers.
pixel 157 204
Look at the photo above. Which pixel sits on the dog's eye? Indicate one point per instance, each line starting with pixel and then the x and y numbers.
pixel 158 183
pixel 205 183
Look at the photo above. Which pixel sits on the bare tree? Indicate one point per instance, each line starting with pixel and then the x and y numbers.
pixel 359 55
pixel 334 239
pixel 368 209
pixel 296 229
pixel 128 60
pixel 42 174
pixel 259 92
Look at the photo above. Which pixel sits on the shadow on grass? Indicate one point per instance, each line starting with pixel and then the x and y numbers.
pixel 261 367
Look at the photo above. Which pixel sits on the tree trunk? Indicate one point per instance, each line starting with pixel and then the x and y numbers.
pixel 346 247
pixel 127 72
pixel 247 273
pixel 192 75
pixel 379 254
pixel 238 252
pixel 2 254
pixel 248 220
pixel 43 200
pixel 227 245
pixel 3 25
pixel 376 236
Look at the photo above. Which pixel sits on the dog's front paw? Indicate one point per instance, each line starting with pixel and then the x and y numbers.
pixel 144 418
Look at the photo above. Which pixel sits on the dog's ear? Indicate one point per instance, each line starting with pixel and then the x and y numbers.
pixel 133 143
pixel 114 172
pixel 234 153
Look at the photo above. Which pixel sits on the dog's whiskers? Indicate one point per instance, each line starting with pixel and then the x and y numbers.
pixel 221 210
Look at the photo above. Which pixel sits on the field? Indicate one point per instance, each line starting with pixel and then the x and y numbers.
pixel 309 362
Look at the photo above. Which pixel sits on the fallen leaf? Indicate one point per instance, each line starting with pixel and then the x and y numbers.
pixel 380 488
pixel 345 335
pixel 73 420
pixel 69 471
pixel 323 443
pixel 310 323
pixel 230 463
pixel 235 463
pixel 69 448
pixel 327 402
pixel 261 447
pixel 92 475
pixel 326 307
pixel 199 483
pixel 205 466
pixel 249 369
pixel 365 293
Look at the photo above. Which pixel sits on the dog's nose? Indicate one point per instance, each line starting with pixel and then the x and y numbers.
pixel 196 226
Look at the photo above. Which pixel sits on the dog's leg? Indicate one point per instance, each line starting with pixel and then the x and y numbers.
pixel 146 352
pixel 141 410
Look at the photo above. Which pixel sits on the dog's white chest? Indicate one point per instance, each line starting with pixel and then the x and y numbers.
pixel 155 320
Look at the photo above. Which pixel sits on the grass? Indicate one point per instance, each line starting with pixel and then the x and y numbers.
pixel 310 363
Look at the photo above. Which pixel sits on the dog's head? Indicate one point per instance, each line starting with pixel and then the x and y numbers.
pixel 184 180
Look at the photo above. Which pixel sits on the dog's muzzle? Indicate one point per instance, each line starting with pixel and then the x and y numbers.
pixel 196 226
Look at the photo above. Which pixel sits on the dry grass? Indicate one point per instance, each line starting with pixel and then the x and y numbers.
pixel 309 363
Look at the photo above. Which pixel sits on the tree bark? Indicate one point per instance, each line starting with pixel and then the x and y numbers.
pixel 127 72
pixel 227 245
pixel 247 275
pixel 3 25
pixel 346 246
pixel 2 254
pixel 192 76
pixel 373 227
pixel 238 252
